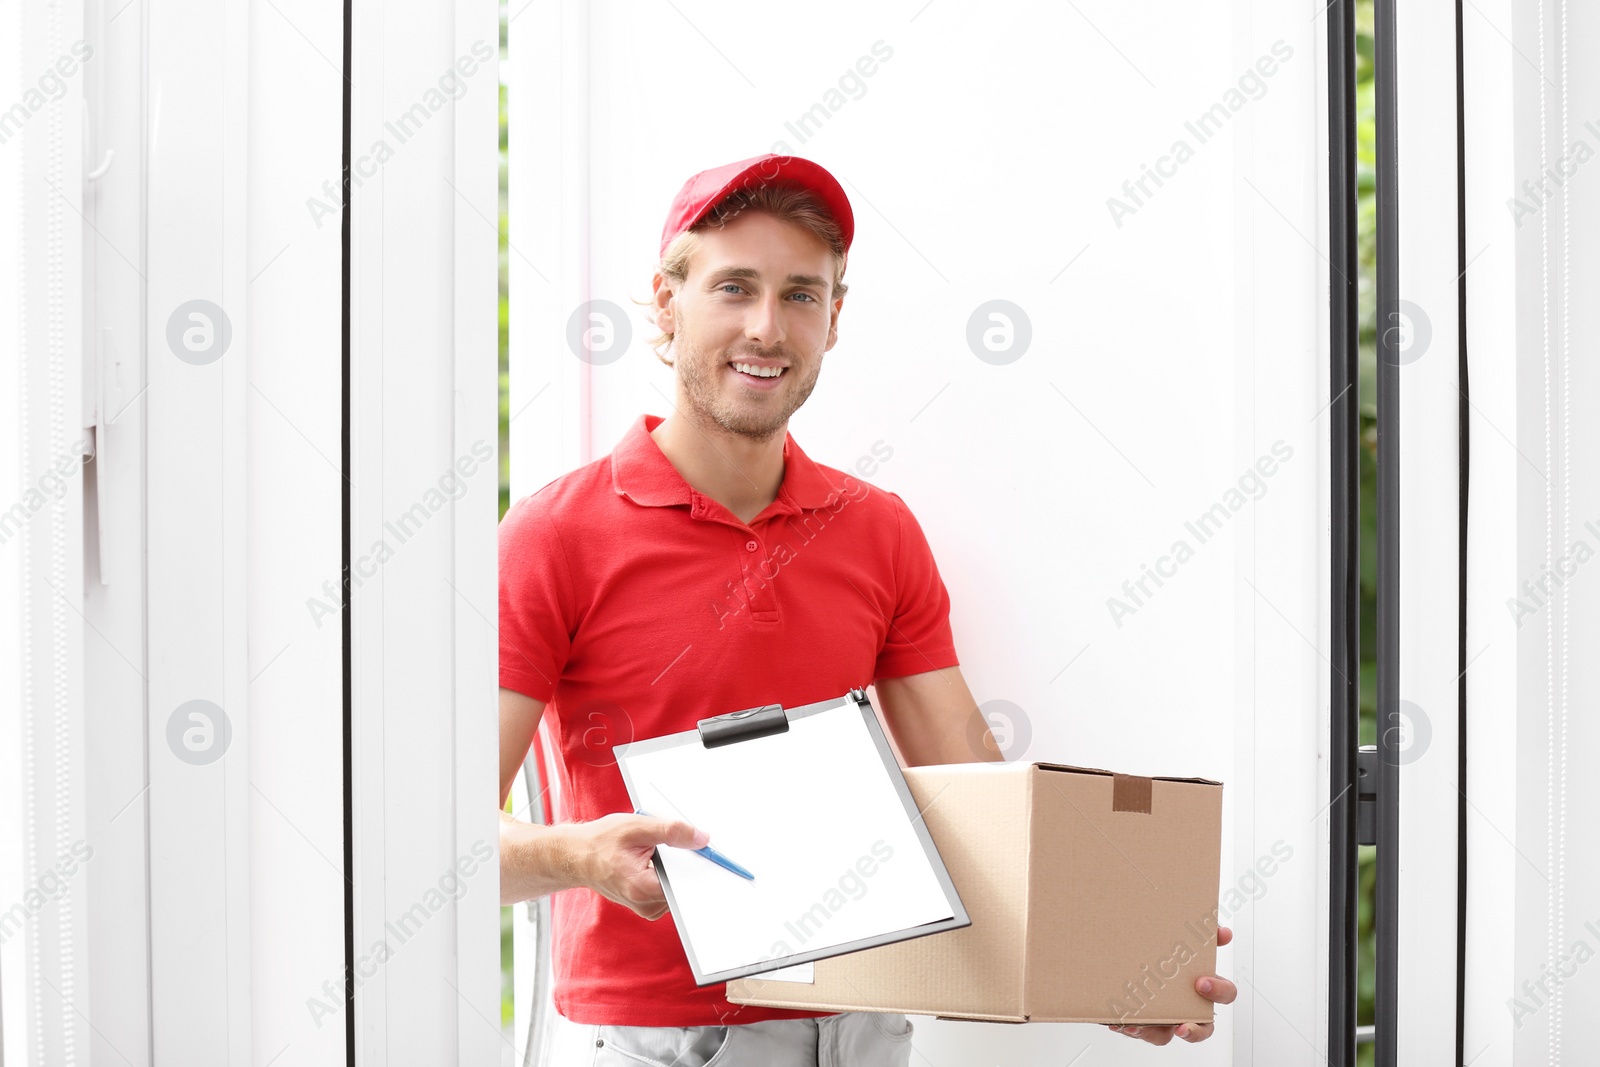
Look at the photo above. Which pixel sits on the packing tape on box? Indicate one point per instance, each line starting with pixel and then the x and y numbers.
pixel 1130 792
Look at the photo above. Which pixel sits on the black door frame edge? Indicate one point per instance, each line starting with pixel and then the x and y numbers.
pixel 1345 535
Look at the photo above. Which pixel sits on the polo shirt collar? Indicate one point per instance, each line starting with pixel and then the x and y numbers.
pixel 641 472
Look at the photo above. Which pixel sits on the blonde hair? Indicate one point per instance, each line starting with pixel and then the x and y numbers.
pixel 788 203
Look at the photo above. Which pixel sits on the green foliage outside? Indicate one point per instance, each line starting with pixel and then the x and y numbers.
pixel 1367 251
pixel 1366 244
pixel 506 913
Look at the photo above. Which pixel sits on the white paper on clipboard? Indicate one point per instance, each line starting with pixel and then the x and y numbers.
pixel 813 813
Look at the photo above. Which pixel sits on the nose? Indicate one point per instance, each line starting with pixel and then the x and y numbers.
pixel 765 323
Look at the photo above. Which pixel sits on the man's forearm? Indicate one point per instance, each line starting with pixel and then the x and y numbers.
pixel 935 720
pixel 535 860
pixel 926 749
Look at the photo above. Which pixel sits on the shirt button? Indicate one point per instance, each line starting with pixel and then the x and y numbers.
pixel 751 545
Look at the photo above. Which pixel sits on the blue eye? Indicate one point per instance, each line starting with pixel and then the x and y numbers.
pixel 725 286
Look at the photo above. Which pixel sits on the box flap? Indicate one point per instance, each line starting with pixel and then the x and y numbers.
pixel 1072 768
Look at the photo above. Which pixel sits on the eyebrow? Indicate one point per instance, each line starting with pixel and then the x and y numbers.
pixel 752 274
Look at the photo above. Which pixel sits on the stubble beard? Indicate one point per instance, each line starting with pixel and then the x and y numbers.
pixel 700 375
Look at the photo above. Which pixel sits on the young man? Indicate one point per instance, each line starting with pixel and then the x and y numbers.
pixel 706 565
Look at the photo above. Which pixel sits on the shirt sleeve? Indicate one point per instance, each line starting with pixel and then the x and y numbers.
pixel 537 613
pixel 919 638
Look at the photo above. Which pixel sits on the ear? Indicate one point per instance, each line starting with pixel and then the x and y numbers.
pixel 663 302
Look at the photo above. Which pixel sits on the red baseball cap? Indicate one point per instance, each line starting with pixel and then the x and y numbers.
pixel 705 190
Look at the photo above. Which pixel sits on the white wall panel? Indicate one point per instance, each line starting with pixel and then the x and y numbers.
pixel 1169 352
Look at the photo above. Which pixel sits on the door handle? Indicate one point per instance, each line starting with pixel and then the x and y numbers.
pixel 102 404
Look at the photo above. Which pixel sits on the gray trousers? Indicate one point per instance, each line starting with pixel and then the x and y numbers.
pixel 849 1039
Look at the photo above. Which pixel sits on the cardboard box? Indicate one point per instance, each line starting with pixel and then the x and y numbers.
pixel 1093 898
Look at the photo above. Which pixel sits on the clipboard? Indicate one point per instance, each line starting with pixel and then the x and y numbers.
pixel 721 918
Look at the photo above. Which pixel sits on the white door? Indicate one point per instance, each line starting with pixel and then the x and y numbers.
pixel 248 787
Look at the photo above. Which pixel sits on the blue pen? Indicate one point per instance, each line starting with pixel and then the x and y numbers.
pixel 710 853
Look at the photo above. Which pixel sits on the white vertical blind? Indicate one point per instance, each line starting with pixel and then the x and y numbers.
pixel 45 902
pixel 1555 606
pixel 1534 927
pixel 12 984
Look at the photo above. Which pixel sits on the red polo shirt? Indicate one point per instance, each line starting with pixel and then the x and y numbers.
pixel 633 605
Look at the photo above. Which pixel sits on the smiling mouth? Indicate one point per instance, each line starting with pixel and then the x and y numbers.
pixel 758 374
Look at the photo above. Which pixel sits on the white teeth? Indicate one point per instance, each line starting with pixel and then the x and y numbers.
pixel 759 372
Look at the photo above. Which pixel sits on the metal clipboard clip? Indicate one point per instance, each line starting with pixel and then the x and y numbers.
pixel 758 721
